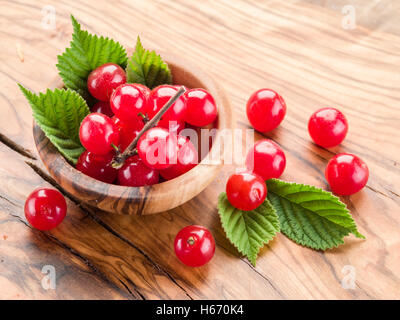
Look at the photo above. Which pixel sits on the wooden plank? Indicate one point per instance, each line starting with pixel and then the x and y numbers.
pixel 298 49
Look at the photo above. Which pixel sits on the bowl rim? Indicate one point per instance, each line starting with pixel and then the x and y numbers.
pixel 68 174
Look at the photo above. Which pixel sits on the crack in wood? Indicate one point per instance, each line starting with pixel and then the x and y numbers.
pixel 381 193
pixel 17 148
pixel 8 200
pixel 130 291
pixel 394 193
pixel 264 277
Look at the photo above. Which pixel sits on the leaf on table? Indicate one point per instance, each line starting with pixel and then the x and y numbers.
pixel 147 67
pixel 86 53
pixel 248 231
pixel 59 114
pixel 311 216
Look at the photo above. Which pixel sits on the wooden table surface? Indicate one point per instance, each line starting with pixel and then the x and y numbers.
pixel 298 48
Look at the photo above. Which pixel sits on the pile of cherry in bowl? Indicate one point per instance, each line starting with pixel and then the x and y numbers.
pixel 121 113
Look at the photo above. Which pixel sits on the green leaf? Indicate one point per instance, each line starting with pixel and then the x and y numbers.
pixel 147 67
pixel 86 53
pixel 311 216
pixel 248 230
pixel 59 114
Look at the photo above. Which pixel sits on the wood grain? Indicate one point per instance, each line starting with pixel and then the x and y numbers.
pixel 298 49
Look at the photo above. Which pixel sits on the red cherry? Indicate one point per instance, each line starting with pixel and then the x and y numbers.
pixel 128 131
pixel 145 90
pixel 159 96
pixel 245 190
pixel 127 101
pixel 158 148
pixel 102 107
pixel 134 173
pixel 267 159
pixel 265 110
pixel 97 167
pixel 194 246
pixel 45 208
pixel 103 80
pixel 327 127
pixel 173 126
pixel 201 109
pixel 187 159
pixel 346 174
pixel 98 133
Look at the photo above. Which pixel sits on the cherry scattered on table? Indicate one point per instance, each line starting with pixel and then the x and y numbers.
pixel 246 190
pixel 45 208
pixel 194 246
pixel 346 174
pixel 327 127
pixel 267 159
pixel 265 110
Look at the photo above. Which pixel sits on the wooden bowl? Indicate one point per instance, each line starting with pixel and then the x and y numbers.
pixel 149 199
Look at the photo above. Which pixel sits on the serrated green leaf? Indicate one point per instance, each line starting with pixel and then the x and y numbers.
pixel 147 67
pixel 86 53
pixel 248 231
pixel 311 216
pixel 59 114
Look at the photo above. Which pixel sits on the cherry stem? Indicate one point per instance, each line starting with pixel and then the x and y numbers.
pixel 190 241
pixel 119 159
pixel 115 148
pixel 144 117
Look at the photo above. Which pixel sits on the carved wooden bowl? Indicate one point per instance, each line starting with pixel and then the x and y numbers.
pixel 149 199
